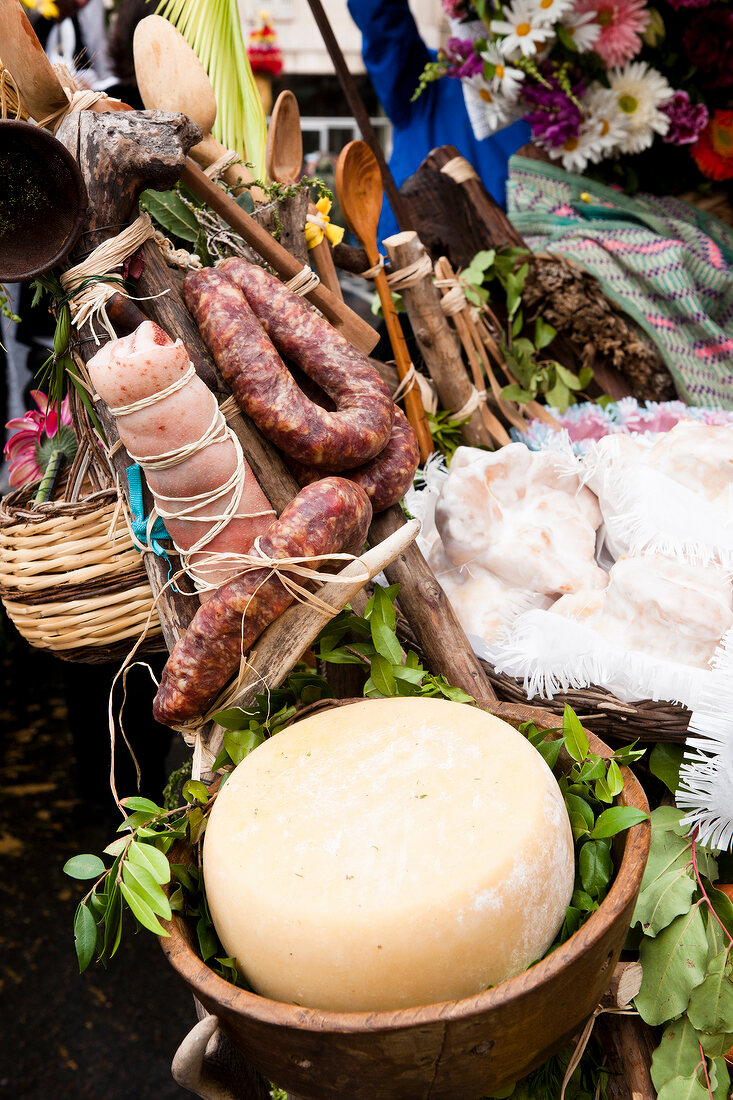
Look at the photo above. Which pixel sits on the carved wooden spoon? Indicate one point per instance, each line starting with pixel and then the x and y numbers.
pixel 41 91
pixel 284 162
pixel 359 189
pixel 170 77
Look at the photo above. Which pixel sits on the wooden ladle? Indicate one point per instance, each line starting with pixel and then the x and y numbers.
pixel 170 77
pixel 284 163
pixel 41 91
pixel 359 190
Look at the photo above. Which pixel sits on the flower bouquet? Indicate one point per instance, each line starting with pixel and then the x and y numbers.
pixel 599 81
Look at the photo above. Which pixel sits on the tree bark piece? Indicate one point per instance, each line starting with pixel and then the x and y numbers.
pixel 629 1044
pixel 438 344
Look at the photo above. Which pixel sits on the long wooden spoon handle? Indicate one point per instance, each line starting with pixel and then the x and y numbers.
pixel 323 262
pixel 350 324
pixel 414 408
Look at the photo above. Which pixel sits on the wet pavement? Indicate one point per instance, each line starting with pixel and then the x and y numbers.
pixel 110 1033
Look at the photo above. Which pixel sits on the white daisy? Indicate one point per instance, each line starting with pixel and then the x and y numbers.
pixel 639 90
pixel 575 152
pixel 583 29
pixel 601 111
pixel 506 79
pixel 525 31
pixel 494 107
pixel 551 11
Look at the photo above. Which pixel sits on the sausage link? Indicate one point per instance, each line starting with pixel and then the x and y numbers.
pixel 327 517
pixel 386 478
pixel 232 327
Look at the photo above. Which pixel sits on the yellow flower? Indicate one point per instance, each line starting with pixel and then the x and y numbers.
pixel 319 225
pixel 47 9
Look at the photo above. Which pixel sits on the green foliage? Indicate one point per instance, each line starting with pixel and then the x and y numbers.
pixel 372 641
pixel 172 214
pixel 665 761
pixel 591 783
pixel 685 953
pixel 433 71
pixel 588 1081
pixel 446 431
pixel 536 375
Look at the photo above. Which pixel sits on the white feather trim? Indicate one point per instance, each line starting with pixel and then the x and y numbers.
pixel 551 654
pixel 706 776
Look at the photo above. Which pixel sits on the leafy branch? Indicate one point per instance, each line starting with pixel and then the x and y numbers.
pixel 588 788
pixel 523 353
pixel 685 934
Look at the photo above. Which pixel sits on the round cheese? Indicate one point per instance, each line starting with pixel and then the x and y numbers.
pixel 386 854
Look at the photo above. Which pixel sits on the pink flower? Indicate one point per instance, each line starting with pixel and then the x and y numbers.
pixel 622 23
pixel 28 451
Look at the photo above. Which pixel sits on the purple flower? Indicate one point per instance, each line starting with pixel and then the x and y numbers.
pixel 677 4
pixel 555 117
pixel 687 119
pixel 464 59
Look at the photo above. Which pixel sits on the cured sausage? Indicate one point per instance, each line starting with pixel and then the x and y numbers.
pixel 329 516
pixel 242 312
pixel 386 478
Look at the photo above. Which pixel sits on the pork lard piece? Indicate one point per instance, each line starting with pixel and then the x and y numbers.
pixel 140 366
pixel 522 516
pixel 674 610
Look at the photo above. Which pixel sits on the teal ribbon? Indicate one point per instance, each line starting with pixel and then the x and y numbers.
pixel 139 521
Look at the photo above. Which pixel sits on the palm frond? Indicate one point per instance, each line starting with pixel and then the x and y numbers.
pixel 213 31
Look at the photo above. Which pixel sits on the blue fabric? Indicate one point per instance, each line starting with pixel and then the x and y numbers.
pixel 138 519
pixel 395 55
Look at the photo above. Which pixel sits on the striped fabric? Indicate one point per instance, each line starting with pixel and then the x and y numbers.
pixel 664 262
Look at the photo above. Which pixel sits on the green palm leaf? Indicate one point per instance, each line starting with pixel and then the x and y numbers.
pixel 214 32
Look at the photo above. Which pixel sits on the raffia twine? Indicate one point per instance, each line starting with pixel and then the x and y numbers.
pixel 91 283
pixel 10 101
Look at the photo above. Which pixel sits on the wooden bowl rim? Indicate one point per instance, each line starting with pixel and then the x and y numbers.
pixel 281 1014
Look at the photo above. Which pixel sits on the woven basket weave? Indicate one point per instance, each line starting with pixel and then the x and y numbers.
pixel 645 720
pixel 71 579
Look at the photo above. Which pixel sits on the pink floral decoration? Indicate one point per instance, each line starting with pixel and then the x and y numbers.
pixel 22 450
pixel 622 23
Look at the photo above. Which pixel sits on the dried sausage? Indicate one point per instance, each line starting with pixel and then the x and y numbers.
pixel 329 516
pixel 242 312
pixel 386 478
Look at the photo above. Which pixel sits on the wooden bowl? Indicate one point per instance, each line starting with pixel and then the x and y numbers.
pixel 464 1048
pixel 43 201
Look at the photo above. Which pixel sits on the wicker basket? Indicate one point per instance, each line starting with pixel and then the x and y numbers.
pixel 644 720
pixel 71 579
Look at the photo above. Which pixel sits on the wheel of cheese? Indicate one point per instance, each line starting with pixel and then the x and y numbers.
pixel 386 854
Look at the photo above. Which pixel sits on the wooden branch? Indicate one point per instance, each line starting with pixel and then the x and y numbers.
pixel 361 334
pixel 624 985
pixel 425 605
pixel 399 204
pixel 629 1044
pixel 487 219
pixel 438 343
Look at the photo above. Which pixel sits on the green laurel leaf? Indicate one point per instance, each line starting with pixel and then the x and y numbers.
pixel 673 964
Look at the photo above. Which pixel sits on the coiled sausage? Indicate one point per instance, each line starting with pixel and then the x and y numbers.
pixel 241 312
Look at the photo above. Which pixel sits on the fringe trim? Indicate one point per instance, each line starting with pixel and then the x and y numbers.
pixel 706 776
